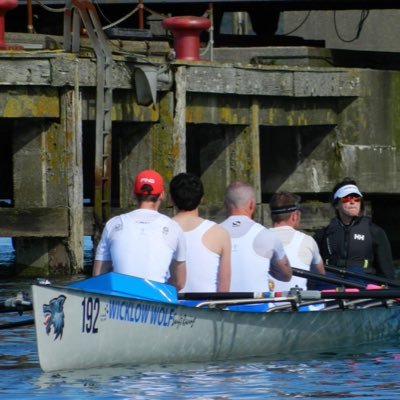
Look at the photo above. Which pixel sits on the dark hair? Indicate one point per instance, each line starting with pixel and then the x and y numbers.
pixel 281 200
pixel 186 191
pixel 344 182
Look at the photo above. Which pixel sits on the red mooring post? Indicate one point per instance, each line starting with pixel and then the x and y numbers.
pixel 186 31
pixel 5 5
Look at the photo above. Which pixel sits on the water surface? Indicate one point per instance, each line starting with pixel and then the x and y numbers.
pixel 369 372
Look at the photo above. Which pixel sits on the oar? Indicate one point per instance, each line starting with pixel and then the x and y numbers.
pixel 361 294
pixel 19 303
pixel 302 273
pixel 18 324
pixel 223 295
pixel 366 277
pixel 17 308
pixel 261 295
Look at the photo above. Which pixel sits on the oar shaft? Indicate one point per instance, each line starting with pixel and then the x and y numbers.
pixel 366 277
pixel 363 294
pixel 261 295
pixel 336 281
pixel 222 295
pixel 19 309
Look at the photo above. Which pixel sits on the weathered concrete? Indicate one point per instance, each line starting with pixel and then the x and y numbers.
pixel 297 128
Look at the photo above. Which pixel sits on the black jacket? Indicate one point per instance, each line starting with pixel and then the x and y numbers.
pixel 360 244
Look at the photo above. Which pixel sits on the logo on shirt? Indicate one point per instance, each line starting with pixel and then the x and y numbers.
pixel 358 236
pixel 117 227
pixel 165 230
pixel 235 224
pixel 271 285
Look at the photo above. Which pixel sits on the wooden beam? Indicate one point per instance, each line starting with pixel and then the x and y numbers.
pixel 274 81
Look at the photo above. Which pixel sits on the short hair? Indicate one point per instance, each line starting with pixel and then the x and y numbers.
pixel 282 201
pixel 147 197
pixel 186 190
pixel 238 194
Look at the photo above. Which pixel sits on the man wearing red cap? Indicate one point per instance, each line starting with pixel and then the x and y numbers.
pixel 144 242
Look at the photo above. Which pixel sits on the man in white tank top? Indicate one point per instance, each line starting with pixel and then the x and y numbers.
pixel 143 242
pixel 301 249
pixel 256 253
pixel 208 247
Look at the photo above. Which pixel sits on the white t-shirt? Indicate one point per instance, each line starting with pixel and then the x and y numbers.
pixel 202 264
pixel 142 243
pixel 253 248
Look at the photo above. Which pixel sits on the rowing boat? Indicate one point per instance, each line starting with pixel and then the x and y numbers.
pixel 114 319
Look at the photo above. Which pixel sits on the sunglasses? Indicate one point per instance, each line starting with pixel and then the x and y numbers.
pixel 350 197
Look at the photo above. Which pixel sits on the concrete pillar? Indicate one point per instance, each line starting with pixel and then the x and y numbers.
pixel 71 130
pixel 135 153
pixel 160 145
pixel 30 175
pixel 48 173
pixel 221 154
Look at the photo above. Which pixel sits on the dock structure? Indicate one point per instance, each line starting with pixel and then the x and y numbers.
pixel 80 118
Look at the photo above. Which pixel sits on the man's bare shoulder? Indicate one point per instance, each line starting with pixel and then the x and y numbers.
pixel 217 232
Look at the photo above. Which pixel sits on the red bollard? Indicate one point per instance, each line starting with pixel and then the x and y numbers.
pixel 5 5
pixel 186 31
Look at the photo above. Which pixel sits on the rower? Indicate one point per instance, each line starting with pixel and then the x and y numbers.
pixel 301 249
pixel 144 243
pixel 257 253
pixel 208 246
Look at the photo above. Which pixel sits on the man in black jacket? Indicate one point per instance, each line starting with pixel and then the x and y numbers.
pixel 351 240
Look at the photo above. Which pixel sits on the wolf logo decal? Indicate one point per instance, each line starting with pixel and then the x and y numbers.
pixel 54 316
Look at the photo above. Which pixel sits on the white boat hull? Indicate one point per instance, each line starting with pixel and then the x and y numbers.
pixel 99 330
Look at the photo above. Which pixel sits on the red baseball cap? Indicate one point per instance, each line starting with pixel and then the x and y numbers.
pixel 148 182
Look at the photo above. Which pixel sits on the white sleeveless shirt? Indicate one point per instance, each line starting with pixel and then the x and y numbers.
pixel 249 271
pixel 202 264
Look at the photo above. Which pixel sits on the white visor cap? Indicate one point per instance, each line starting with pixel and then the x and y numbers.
pixel 345 191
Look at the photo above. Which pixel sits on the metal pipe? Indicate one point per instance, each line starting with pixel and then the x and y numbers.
pixel 30 16
pixel 141 16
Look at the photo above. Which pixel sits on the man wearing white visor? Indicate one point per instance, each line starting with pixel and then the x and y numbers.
pixel 351 240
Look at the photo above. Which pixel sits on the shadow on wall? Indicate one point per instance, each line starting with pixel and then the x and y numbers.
pixel 287 150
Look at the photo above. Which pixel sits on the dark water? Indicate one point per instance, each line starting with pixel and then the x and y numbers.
pixel 371 372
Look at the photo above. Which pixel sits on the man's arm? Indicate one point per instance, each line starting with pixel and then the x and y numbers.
pixel 177 271
pixel 281 269
pixel 101 267
pixel 224 271
pixel 318 268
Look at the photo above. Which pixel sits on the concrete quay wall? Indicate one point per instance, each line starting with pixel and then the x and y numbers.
pixel 297 128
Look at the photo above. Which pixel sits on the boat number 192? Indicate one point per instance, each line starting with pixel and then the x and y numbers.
pixel 90 313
